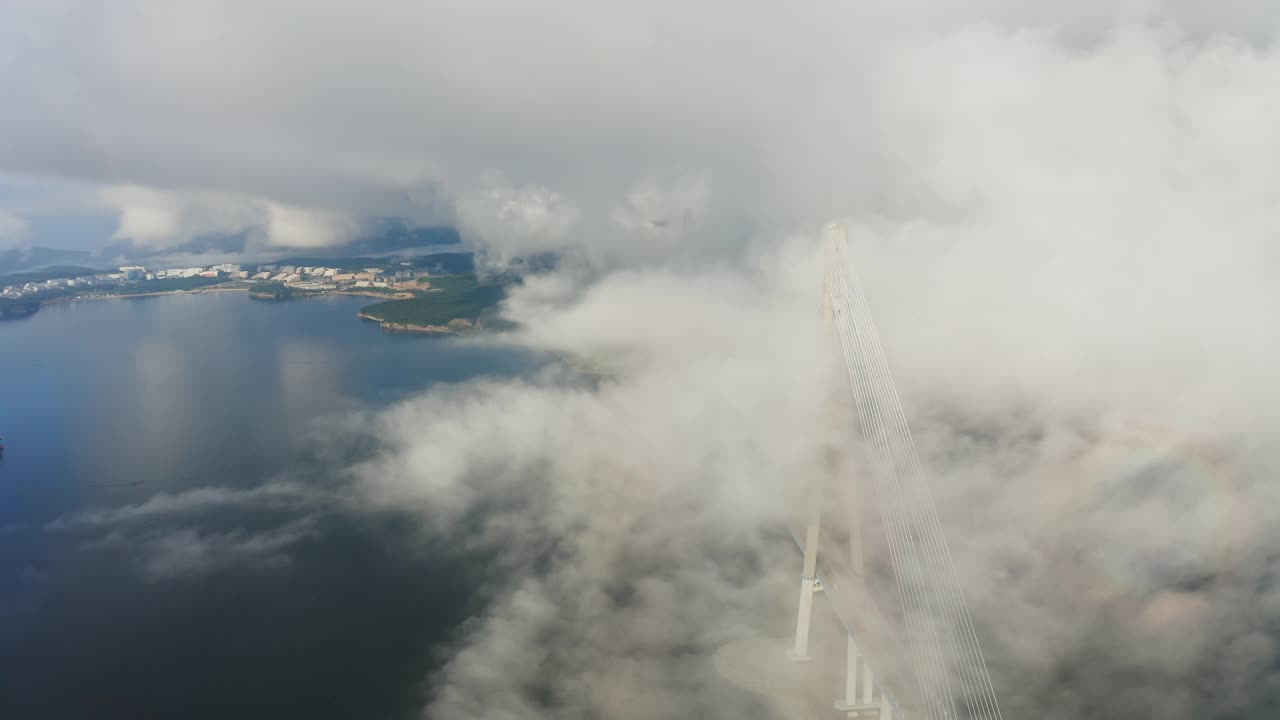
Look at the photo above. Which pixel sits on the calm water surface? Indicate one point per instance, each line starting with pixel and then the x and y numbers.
pixel 144 573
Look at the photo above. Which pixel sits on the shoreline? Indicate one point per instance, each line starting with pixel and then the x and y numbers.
pixel 384 296
pixel 318 293
pixel 407 327
pixel 217 289
pixel 392 327
pixel 62 300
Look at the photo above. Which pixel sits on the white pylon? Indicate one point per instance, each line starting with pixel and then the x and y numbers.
pixel 809 577
pixel 861 698
pixel 809 583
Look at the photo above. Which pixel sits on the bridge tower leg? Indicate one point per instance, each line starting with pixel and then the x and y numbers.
pixel 809 578
pixel 865 704
pixel 809 583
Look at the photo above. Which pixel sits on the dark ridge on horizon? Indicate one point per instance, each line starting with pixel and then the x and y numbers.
pixel 388 237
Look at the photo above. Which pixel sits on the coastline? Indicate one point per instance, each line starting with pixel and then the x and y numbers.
pixel 454 327
pixel 315 293
pixel 384 296
pixel 65 299
pixel 407 327
pixel 218 289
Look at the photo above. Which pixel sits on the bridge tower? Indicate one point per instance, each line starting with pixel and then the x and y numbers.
pixel 929 657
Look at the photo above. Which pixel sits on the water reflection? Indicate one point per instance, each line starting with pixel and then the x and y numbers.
pixel 310 374
pixel 188 407
pixel 158 404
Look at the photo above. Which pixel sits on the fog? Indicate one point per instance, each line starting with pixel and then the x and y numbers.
pixel 1065 218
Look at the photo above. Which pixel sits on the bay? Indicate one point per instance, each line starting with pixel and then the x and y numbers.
pixel 165 546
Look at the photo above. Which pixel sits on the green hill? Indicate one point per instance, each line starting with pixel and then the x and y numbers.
pixel 14 308
pixel 455 297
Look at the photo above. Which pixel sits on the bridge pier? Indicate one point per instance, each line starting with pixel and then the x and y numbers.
pixel 809 583
pixel 865 704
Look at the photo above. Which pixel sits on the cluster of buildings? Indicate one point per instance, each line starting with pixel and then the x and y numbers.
pixel 303 278
pixel 327 278
pixel 230 271
pixel 41 288
pixel 125 274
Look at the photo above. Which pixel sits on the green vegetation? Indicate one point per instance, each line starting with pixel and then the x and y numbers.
pixel 13 308
pixel 454 297
pixel 164 285
pixel 276 291
pixel 450 283
pixel 49 273
pixel 393 291
pixel 36 257
pixel 454 263
pixel 140 287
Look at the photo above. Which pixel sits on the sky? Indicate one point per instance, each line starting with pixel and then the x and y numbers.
pixel 298 121
pixel 1065 216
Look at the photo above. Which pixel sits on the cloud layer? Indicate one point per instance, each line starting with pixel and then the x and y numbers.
pixel 760 115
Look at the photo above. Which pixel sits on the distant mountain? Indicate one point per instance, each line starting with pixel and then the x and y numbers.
pixel 36 258
pixel 394 235
pixel 448 263
pixel 385 237
pixel 124 252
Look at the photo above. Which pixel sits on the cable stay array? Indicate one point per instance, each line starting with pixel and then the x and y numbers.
pixel 951 681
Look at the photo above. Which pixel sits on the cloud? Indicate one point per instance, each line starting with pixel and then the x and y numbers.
pixel 13 230
pixel 183 503
pixel 1071 264
pixel 516 220
pixel 1133 228
pixel 305 227
pixel 365 116
pixel 185 552
pixel 172 535
pixel 160 219
pixel 631 517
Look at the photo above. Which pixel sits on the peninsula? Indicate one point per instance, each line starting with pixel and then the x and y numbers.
pixel 437 293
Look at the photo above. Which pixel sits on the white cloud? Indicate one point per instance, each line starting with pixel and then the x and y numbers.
pixel 645 500
pixel 185 552
pixel 160 218
pixel 162 533
pixel 185 502
pixel 356 114
pixel 13 230
pixel 300 227
pixel 1072 267
pixel 516 220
